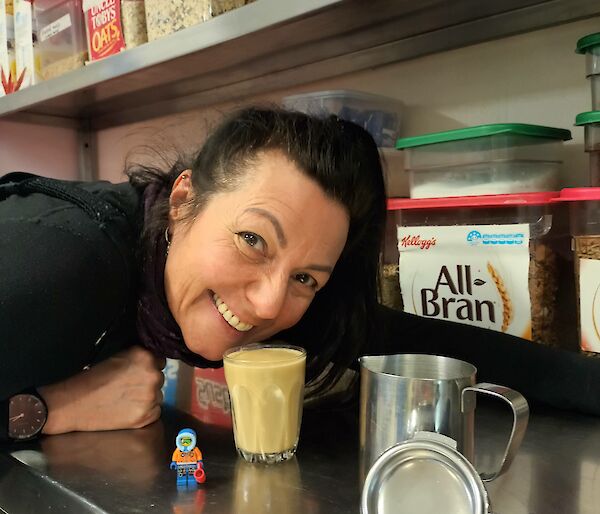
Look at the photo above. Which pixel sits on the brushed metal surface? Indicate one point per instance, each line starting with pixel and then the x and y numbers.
pixel 556 471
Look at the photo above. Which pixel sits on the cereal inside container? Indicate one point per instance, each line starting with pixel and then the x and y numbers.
pixel 61 35
pixel 497 262
pixel 163 17
pixel 591 123
pixel 584 215
pixel 133 15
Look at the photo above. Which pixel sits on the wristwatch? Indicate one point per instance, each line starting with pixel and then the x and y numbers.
pixel 25 415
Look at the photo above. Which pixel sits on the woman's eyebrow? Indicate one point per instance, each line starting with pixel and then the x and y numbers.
pixel 274 221
pixel 320 267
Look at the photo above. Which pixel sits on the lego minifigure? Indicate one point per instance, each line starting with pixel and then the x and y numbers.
pixel 187 459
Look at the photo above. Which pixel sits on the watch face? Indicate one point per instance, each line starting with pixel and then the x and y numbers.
pixel 26 416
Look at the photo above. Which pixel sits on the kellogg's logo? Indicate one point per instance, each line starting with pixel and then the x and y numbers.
pixel 418 241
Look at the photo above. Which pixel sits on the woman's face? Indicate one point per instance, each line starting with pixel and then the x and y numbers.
pixel 253 259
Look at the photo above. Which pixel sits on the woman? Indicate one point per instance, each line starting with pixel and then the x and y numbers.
pixel 277 213
pixel 274 230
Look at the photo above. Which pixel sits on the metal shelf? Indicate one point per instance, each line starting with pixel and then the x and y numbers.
pixel 269 45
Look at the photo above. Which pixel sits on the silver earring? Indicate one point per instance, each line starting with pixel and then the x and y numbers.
pixel 167 240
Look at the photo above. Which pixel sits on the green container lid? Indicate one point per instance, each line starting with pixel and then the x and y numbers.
pixel 519 129
pixel 587 42
pixel 585 118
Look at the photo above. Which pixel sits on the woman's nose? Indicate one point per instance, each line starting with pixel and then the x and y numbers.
pixel 267 295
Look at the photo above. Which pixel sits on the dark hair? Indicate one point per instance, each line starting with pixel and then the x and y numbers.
pixel 344 160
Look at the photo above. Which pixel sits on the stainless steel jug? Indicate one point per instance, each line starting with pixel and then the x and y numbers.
pixel 403 394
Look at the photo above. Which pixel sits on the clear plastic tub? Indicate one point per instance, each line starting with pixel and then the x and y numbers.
pixel 27 56
pixel 595 83
pixel 133 16
pixel 584 215
pixel 590 46
pixel 61 35
pixel 163 17
pixel 484 160
pixel 499 262
pixel 380 115
pixel 591 123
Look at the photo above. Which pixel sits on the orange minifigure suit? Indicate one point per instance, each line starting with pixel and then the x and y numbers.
pixel 187 458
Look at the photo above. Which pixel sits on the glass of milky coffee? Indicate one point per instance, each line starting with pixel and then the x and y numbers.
pixel 266 387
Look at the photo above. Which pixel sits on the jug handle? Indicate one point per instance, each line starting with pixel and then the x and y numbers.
pixel 520 410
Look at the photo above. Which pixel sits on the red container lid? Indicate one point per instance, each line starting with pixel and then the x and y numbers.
pixel 578 194
pixel 453 202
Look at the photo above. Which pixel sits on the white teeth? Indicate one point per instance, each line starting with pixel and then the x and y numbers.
pixel 229 316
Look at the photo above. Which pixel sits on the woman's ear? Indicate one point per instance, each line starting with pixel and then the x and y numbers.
pixel 181 193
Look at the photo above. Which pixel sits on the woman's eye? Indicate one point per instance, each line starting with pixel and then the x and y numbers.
pixel 306 279
pixel 253 240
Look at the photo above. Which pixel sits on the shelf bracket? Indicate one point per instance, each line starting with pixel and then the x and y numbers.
pixel 88 151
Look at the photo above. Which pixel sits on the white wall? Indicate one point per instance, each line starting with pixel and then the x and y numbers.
pixel 531 78
pixel 46 151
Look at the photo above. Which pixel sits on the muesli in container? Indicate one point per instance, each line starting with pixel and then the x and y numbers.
pixel 591 123
pixel 113 25
pixel 501 158
pixel 584 215
pixel 590 46
pixel 61 35
pixel 163 17
pixel 490 261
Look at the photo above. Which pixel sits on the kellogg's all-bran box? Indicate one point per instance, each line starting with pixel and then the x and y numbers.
pixel 491 261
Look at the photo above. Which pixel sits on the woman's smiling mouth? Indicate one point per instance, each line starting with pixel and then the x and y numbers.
pixel 229 316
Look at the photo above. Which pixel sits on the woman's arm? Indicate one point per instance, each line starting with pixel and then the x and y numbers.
pixel 549 375
pixel 123 391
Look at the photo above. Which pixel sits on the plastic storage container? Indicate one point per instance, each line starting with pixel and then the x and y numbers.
pixel 5 68
pixel 484 160
pixel 591 123
pixel 164 17
pixel 27 55
pixel 61 35
pixel 133 17
pixel 590 46
pixel 380 115
pixel 497 262
pixel 584 215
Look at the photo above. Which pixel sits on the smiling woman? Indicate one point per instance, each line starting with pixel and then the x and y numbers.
pixel 272 230
pixel 263 235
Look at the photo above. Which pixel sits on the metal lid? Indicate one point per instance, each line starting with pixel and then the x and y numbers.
pixel 425 475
